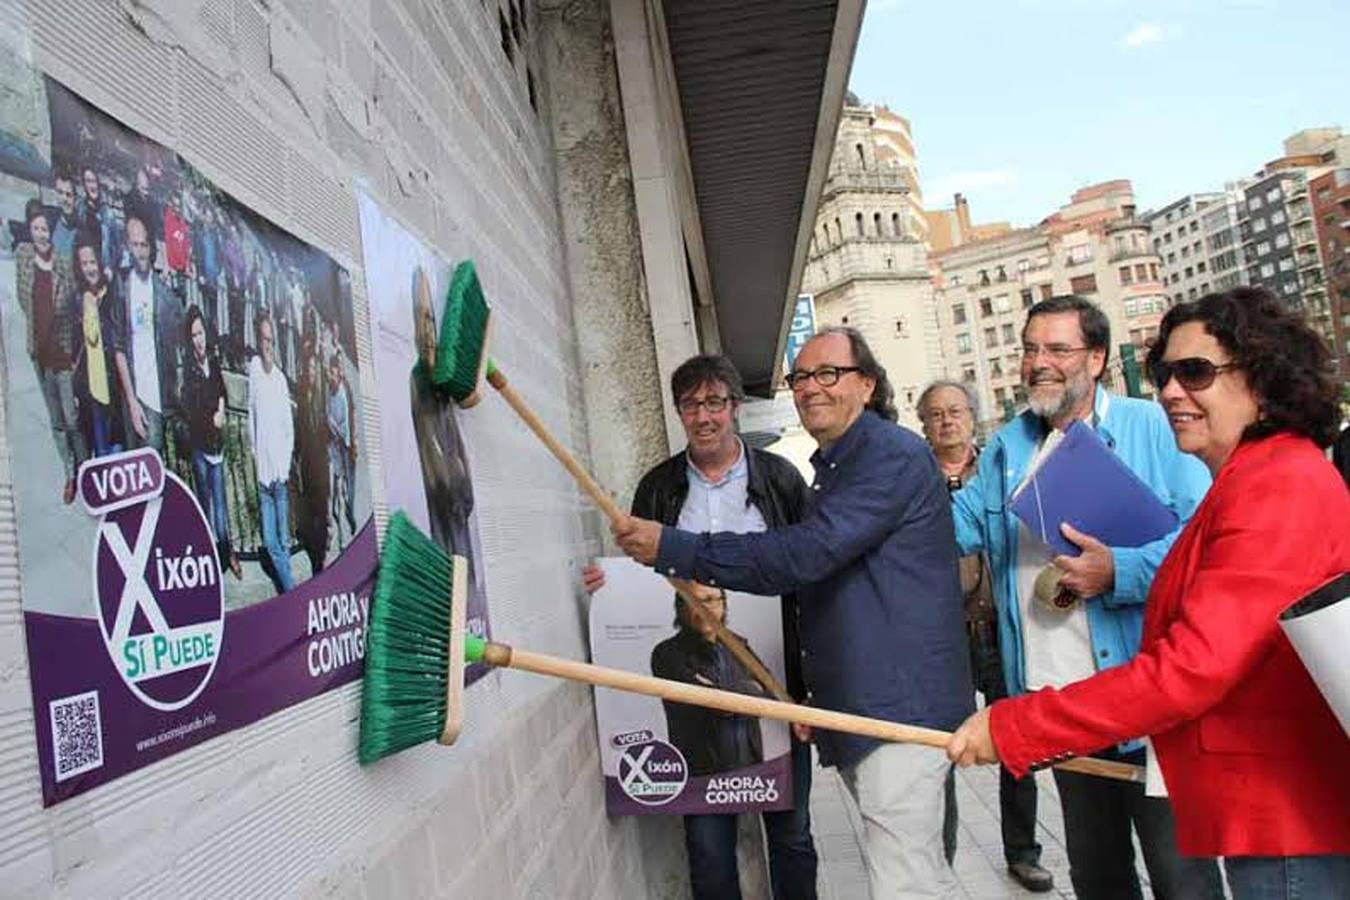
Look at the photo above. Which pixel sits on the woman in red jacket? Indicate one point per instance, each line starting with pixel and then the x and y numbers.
pixel 1257 766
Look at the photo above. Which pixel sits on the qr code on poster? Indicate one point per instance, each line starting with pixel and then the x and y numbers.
pixel 77 735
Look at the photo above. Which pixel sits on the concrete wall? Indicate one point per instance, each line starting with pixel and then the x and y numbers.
pixel 289 105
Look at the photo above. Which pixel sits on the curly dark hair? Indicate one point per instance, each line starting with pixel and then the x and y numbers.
pixel 1287 365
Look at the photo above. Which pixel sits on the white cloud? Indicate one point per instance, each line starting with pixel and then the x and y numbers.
pixel 1149 33
pixel 940 189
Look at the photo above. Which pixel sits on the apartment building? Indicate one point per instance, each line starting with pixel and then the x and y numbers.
pixel 1196 238
pixel 1330 197
pixel 1094 246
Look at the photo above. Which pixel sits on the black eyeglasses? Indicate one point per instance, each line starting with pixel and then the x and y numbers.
pixel 712 404
pixel 825 376
pixel 1194 373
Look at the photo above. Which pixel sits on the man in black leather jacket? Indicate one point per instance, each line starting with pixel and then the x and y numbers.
pixel 735 488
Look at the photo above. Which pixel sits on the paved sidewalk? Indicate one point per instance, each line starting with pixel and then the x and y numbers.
pixel 979 865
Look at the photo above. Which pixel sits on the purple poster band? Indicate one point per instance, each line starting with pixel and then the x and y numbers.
pixel 114 482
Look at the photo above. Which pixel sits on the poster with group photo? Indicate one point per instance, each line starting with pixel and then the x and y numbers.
pixel 181 409
pixel 662 758
pixel 406 283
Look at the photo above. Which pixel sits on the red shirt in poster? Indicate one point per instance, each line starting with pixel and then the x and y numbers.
pixel 177 240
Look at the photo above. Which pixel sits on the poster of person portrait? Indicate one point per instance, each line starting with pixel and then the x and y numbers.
pixel 181 410
pixel 407 282
pixel 662 758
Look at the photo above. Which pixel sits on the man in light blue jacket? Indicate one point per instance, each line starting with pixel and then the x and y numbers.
pixel 1098 619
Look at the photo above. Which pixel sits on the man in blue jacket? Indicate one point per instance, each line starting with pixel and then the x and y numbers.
pixel 1097 620
pixel 881 624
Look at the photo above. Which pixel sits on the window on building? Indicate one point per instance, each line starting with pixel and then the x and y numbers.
pixel 1137 337
pixel 1171 259
pixel 1200 266
pixel 1286 264
pixel 1126 276
pixel 876 224
pixel 902 327
pixel 1083 284
pixel 1258 226
pixel 963 343
pixel 956 280
pixel 1157 244
pixel 1253 203
pixel 895 225
pixel 1047 291
pixel 1290 287
pixel 1178 297
pixel 1002 304
pixel 1267 270
pixel 1204 287
pixel 959 314
pixel 1190 271
pixel 1195 226
pixel 1277 217
pixel 862 158
pixel 1131 307
pixel 1263 248
pixel 1190 293
pixel 1008 335
pixel 1153 271
pixel 1282 240
pixel 858 221
pixel 1000 396
pixel 1026 298
pixel 1176 276
pixel 1019 393
pixel 984 277
pixel 1140 272
pixel 1002 275
pixel 1080 253
pixel 986 307
pixel 1273 195
pixel 1023 265
pixel 968 374
pixel 991 337
pixel 1167 238
pixel 838 230
pixel 995 368
pixel 1185 252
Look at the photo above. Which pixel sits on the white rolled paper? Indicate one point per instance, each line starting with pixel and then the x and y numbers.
pixel 1319 628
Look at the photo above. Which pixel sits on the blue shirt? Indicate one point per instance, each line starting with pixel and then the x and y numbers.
pixel 1138 432
pixel 722 505
pixel 874 568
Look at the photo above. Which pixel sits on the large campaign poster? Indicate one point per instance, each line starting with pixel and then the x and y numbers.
pixel 406 283
pixel 181 408
pixel 661 758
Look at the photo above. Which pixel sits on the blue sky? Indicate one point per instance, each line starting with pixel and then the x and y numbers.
pixel 1017 103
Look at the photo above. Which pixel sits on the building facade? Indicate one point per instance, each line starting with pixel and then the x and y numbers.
pixel 868 262
pixel 1330 197
pixel 1094 246
pixel 1196 237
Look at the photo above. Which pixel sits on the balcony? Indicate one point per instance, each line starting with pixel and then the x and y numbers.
pixel 886 181
pixel 1132 253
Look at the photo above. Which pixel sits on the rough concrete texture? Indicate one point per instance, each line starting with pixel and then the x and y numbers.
pixel 619 380
pixel 290 105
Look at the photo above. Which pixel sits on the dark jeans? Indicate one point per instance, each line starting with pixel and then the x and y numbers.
pixel 1098 813
pixel 1288 877
pixel 209 480
pixel 1016 797
pixel 711 843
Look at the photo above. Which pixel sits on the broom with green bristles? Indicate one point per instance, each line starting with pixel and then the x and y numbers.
pixel 416 649
pixel 462 360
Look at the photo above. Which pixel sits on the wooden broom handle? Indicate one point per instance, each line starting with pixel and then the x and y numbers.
pixel 503 656
pixel 611 510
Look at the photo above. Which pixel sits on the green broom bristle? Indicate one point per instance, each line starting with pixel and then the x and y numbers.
pixel 407 644
pixel 461 353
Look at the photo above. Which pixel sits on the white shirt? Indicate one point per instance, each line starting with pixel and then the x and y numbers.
pixel 141 302
pixel 721 505
pixel 1056 644
pixel 270 426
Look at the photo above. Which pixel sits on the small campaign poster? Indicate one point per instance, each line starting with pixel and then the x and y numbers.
pixel 407 282
pixel 181 406
pixel 662 758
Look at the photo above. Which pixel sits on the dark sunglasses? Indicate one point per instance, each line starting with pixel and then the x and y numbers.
pixel 1194 373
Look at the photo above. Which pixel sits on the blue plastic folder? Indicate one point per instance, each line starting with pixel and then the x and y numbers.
pixel 1081 481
